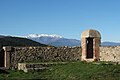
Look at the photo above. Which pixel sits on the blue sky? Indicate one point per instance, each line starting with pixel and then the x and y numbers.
pixel 68 18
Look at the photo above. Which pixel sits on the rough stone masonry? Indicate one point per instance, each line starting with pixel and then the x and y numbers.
pixel 44 54
pixel 90 43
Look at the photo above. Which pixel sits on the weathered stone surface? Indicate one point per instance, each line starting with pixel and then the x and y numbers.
pixel 45 54
pixel 90 33
pixel 110 54
pixel 90 43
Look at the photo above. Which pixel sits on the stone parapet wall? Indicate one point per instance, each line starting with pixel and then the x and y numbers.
pixel 110 54
pixel 44 54
pixel 53 54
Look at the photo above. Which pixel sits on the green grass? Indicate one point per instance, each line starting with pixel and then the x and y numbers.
pixel 70 71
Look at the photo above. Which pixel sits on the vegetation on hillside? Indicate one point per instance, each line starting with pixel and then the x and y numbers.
pixel 16 41
pixel 70 71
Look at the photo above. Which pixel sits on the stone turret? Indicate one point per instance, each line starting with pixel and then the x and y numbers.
pixel 90 43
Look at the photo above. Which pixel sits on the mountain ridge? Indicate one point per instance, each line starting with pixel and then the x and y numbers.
pixel 108 43
pixel 61 41
pixel 53 40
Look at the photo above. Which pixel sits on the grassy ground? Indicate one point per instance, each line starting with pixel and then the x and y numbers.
pixel 70 71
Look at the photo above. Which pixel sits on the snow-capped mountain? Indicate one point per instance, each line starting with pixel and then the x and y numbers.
pixel 55 40
pixel 43 35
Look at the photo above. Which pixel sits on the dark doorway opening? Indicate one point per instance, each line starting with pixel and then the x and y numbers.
pixel 1 58
pixel 89 48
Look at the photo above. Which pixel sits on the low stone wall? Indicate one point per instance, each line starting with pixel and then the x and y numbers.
pixel 53 54
pixel 110 54
pixel 44 54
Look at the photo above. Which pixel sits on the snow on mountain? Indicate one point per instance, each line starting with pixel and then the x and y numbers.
pixel 43 35
pixel 55 40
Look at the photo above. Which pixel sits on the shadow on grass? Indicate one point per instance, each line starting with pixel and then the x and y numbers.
pixel 3 71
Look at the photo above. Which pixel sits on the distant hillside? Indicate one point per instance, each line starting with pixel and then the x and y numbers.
pixel 110 44
pixel 40 40
pixel 16 41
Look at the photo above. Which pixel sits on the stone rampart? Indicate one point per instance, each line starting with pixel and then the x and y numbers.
pixel 44 54
pixel 53 54
pixel 110 54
